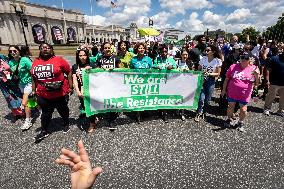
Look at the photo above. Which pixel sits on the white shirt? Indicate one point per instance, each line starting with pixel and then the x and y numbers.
pixel 210 67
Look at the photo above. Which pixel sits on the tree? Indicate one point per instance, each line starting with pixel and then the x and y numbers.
pixel 250 34
pixel 241 37
pixel 228 36
pixel 275 32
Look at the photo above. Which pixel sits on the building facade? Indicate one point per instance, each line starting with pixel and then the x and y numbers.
pixel 101 34
pixel 42 24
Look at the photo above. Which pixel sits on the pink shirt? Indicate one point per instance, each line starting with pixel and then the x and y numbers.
pixel 4 71
pixel 241 82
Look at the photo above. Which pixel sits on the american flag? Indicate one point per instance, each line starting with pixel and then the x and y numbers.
pixel 113 3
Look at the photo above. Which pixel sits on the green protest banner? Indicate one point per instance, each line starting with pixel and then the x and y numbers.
pixel 123 90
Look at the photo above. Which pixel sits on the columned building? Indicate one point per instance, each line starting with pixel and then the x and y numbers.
pixel 42 24
pixel 101 34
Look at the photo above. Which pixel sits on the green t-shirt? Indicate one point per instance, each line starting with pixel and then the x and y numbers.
pixel 125 60
pixel 164 63
pixel 93 59
pixel 23 70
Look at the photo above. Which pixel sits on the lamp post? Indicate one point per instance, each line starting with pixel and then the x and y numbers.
pixel 151 22
pixel 64 20
pixel 20 13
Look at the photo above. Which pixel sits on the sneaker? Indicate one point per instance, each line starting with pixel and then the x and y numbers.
pixel 42 135
pixel 228 123
pixel 92 127
pixel 138 117
pixel 165 118
pixel 280 113
pixel 198 117
pixel 66 129
pixel 112 126
pixel 27 124
pixel 182 118
pixel 266 112
pixel 241 127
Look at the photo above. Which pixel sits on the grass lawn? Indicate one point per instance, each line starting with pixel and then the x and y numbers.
pixel 58 50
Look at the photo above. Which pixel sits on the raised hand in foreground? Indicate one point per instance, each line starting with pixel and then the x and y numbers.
pixel 82 174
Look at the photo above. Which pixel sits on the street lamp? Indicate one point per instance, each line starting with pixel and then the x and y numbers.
pixel 23 20
pixel 151 22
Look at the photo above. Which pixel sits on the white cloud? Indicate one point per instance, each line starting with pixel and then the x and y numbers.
pixel 54 6
pixel 180 6
pixel 211 19
pixel 161 19
pixel 255 13
pixel 239 15
pixel 192 25
pixel 130 11
pixel 230 3
pixel 97 20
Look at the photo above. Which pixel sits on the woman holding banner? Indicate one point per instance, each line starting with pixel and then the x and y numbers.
pixel 108 62
pixel 123 54
pixel 82 62
pixel 164 62
pixel 210 65
pixel 141 61
pixel 184 64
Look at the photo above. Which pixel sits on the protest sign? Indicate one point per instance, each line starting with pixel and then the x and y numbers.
pixel 122 90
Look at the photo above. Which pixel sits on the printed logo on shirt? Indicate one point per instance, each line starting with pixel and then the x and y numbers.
pixel 241 76
pixel 43 72
pixel 108 63
pixel 209 69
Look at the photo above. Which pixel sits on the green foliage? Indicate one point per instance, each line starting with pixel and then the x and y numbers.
pixel 251 32
pixel 275 32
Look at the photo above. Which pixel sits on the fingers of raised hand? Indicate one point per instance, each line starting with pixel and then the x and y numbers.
pixel 71 155
pixel 82 151
pixel 61 161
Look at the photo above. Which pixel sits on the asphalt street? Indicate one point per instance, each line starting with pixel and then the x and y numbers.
pixel 152 154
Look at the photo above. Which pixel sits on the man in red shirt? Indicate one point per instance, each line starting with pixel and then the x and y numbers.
pixel 52 83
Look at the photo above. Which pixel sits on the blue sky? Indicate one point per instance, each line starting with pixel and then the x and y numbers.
pixel 192 16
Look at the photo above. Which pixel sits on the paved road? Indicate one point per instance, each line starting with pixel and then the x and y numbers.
pixel 150 155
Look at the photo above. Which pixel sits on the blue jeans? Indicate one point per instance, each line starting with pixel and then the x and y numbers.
pixel 206 94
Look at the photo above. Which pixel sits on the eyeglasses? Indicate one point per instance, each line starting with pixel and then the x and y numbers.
pixel 82 49
pixel 107 48
pixel 45 47
pixel 208 50
pixel 13 51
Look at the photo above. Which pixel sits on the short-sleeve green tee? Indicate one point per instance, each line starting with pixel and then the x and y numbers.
pixel 164 63
pixel 93 59
pixel 24 68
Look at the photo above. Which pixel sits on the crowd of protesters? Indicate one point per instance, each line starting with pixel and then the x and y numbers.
pixel 241 69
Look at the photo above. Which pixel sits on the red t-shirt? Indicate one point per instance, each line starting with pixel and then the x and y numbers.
pixel 49 71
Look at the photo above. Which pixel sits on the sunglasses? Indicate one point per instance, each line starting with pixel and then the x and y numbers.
pixel 208 50
pixel 13 51
pixel 45 47
pixel 82 49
